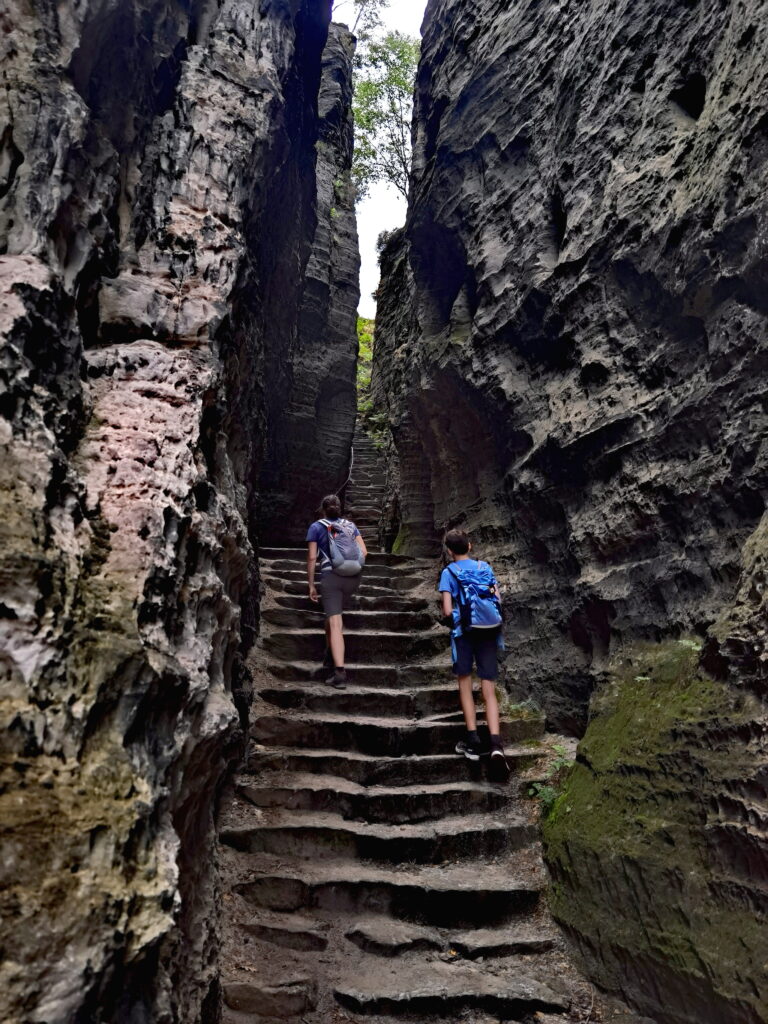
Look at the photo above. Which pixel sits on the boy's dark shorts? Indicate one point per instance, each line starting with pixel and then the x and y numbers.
pixel 479 646
pixel 336 592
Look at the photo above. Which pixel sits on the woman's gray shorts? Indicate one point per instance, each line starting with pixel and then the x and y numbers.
pixel 336 592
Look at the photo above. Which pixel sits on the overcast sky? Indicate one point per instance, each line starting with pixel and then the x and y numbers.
pixel 384 209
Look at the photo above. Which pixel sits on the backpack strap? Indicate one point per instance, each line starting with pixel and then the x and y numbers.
pixel 459 580
pixel 465 614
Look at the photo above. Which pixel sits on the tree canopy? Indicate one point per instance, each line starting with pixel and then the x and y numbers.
pixel 364 15
pixel 383 108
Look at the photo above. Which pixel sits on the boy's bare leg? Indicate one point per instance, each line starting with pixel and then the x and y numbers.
pixel 335 632
pixel 488 688
pixel 467 702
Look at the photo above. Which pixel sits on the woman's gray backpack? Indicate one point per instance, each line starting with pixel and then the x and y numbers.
pixel 346 557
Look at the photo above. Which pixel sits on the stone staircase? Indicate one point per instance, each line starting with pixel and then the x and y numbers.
pixel 371 873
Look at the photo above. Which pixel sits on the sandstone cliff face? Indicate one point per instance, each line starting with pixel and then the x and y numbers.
pixel 158 200
pixel 572 346
pixel 572 349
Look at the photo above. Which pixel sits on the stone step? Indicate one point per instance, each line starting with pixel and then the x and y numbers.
pixel 361 646
pixel 393 805
pixel 320 833
pixel 389 676
pixel 368 588
pixel 457 895
pixel 367 474
pixel 446 990
pixel 390 737
pixel 287 569
pixel 497 942
pixel 384 936
pixel 364 604
pixel 375 702
pixel 365 503
pixel 370 584
pixel 363 492
pixel 380 770
pixel 289 931
pixel 270 999
pixel 390 621
pixel 300 555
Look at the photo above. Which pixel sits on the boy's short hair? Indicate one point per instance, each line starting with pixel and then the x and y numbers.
pixel 457 541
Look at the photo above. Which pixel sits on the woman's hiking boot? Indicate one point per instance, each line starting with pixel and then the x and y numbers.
pixel 338 679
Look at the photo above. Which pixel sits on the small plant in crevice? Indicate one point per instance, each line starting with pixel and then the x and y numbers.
pixel 519 709
pixel 547 790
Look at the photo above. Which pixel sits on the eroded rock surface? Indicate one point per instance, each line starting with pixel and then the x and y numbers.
pixel 572 349
pixel 158 202
pixel 572 338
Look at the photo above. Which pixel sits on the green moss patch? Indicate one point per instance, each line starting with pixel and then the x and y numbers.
pixel 638 844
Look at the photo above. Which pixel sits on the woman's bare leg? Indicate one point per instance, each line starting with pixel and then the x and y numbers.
pixel 335 630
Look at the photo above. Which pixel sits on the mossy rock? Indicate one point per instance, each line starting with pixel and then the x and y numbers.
pixel 651 844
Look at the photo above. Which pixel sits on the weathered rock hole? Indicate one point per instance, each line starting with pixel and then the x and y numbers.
pixel 11 158
pixel 691 95
pixel 594 374
pixel 559 218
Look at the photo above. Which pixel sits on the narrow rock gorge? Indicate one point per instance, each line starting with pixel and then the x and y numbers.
pixel 571 356
pixel 177 232
pixel 571 352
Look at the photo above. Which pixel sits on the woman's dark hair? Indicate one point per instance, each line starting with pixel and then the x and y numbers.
pixel 457 541
pixel 330 506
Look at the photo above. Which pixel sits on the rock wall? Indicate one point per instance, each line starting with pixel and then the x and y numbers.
pixel 571 342
pixel 158 203
pixel 572 351
pixel 658 846
pixel 311 432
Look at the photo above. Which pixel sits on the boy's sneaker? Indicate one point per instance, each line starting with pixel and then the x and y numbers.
pixel 338 679
pixel 471 749
pixel 499 764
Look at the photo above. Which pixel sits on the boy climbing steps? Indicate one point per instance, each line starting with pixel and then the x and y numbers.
pixel 472 608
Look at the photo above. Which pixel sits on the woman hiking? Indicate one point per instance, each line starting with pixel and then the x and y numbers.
pixel 342 554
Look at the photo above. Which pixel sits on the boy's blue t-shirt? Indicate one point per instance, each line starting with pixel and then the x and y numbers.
pixel 318 532
pixel 449 583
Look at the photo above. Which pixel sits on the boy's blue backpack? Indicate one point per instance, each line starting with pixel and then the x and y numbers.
pixel 346 557
pixel 479 607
